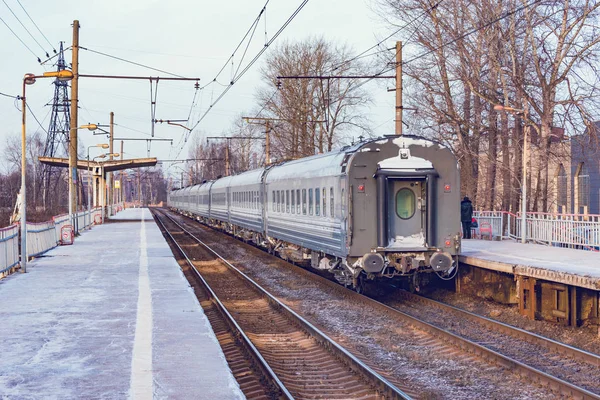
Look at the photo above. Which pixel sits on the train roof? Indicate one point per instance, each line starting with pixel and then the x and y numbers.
pixel 222 182
pixel 326 164
pixel 252 177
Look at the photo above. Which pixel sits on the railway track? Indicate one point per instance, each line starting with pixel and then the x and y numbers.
pixel 569 370
pixel 297 359
pixel 547 373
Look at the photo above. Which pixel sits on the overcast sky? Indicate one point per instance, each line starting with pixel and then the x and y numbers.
pixel 189 38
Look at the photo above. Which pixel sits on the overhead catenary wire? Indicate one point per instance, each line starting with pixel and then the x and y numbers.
pixel 361 54
pixel 37 27
pixel 8 95
pixel 249 65
pixel 130 62
pixel 24 27
pixel 36 119
pixel 239 75
pixel 466 34
pixel 20 40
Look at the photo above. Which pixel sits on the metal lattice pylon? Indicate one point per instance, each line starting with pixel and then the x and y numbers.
pixel 57 141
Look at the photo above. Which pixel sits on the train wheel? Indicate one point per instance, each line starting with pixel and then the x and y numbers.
pixel 360 286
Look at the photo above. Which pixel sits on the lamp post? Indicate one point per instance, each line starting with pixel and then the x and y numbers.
pixel 525 117
pixel 29 79
pixel 102 146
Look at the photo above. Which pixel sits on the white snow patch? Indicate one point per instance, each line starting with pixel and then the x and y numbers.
pixel 141 361
pixel 404 142
pixel 416 240
pixel 406 162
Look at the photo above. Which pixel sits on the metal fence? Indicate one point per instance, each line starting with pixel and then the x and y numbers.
pixel 59 222
pixel 41 237
pixel 44 236
pixel 574 231
pixel 9 248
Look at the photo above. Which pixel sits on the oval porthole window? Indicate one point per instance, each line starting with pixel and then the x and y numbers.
pixel 405 203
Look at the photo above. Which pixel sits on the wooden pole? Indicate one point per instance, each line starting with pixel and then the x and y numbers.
pixel 267 144
pixel 227 158
pixel 399 88
pixel 111 190
pixel 73 127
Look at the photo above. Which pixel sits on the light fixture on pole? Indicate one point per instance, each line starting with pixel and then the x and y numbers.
pixel 521 113
pixel 29 79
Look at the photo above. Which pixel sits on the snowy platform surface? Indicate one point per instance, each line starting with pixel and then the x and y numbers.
pixel 110 317
pixel 569 266
pixel 133 214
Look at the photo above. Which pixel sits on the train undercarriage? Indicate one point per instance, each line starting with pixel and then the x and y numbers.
pixel 410 270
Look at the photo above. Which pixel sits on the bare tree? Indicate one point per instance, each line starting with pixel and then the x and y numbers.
pixel 476 54
pixel 312 114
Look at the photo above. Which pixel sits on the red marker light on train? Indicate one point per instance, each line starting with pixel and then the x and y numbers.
pixel 361 188
pixel 447 243
pixel 447 188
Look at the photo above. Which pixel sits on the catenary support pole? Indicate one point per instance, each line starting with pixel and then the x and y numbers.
pixel 23 185
pixel 73 128
pixel 110 157
pixel 399 88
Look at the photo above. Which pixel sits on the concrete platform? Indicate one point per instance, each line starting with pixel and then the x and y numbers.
pixel 110 317
pixel 134 214
pixel 567 266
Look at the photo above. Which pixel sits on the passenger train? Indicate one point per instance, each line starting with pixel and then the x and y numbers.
pixel 382 208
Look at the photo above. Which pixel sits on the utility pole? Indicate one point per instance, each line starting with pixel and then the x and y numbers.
pixel 227 159
pixel 267 122
pixel 73 128
pixel 228 138
pixel 399 88
pixel 111 190
pixel 122 199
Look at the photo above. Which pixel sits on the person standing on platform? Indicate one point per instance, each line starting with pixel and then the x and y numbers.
pixel 466 216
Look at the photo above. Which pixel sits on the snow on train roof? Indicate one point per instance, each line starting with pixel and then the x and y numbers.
pixel 328 164
pixel 222 183
pixel 247 178
pixel 202 187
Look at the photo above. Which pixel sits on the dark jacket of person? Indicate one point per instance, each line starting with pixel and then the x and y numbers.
pixel 466 210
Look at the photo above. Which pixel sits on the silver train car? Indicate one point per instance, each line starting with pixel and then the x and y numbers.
pixel 383 208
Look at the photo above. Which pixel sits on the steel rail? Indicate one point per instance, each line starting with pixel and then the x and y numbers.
pixel 253 351
pixel 382 384
pixel 530 337
pixel 521 369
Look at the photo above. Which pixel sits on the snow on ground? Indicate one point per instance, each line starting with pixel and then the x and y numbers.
pixel 571 261
pixel 68 326
pixel 133 214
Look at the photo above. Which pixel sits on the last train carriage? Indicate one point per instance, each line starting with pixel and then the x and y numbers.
pixel 386 207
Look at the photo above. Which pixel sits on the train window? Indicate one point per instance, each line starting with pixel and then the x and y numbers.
pixel 310 201
pixel 293 202
pixel 324 202
pixel 343 202
pixel 297 201
pixel 304 201
pixel 273 207
pixel 287 201
pixel 279 200
pixel 331 203
pixel 317 202
pixel 405 203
